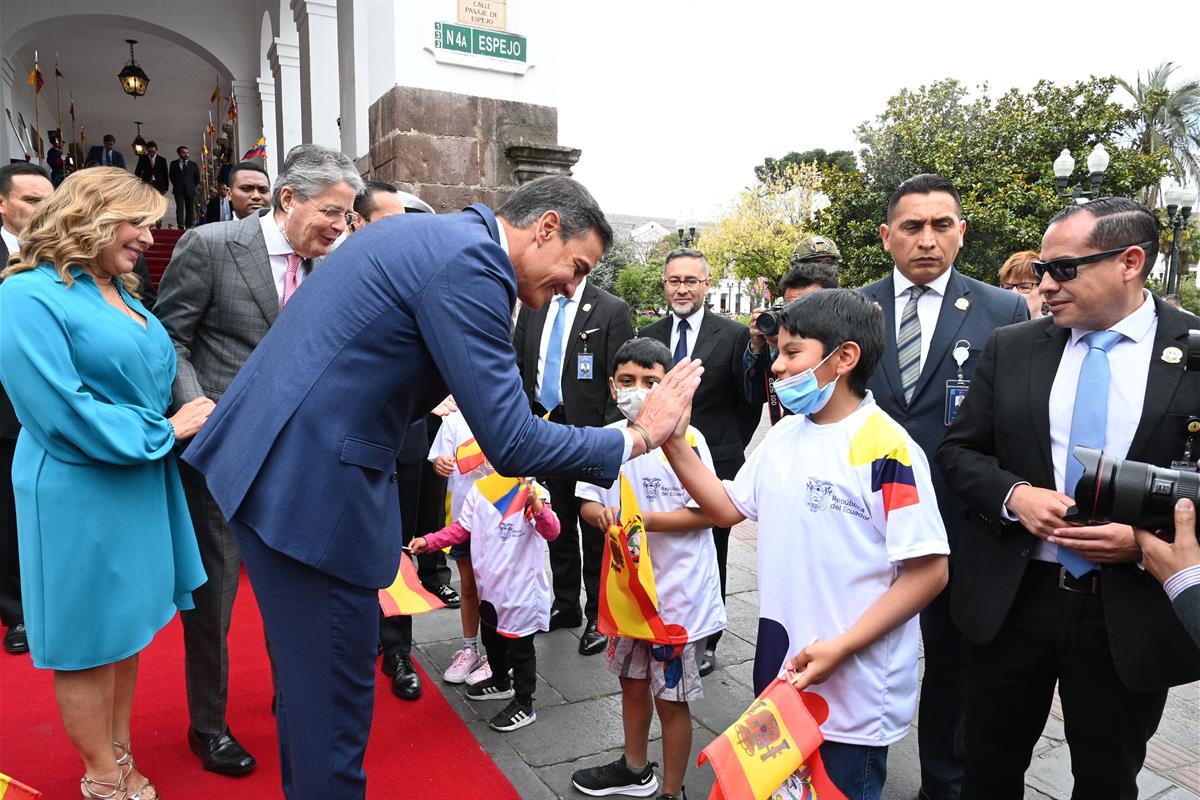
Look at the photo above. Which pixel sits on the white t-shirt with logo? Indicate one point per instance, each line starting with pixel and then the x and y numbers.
pixel 508 556
pixel 685 563
pixel 453 433
pixel 838 507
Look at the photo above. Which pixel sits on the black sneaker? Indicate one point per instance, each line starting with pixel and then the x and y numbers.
pixel 445 592
pixel 616 778
pixel 515 715
pixel 497 687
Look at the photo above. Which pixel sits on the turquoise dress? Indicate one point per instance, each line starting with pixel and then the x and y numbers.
pixel 108 554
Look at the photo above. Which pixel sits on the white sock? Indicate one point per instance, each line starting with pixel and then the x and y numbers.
pixel 471 643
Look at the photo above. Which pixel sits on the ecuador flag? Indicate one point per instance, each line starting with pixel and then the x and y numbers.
pixel 774 745
pixel 628 596
pixel 508 495
pixel 406 596
pixel 881 443
pixel 258 151
pixel 35 79
pixel 12 789
pixel 468 456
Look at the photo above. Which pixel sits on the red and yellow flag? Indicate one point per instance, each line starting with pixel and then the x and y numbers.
pixel 12 789
pixel 469 456
pixel 35 78
pixel 775 742
pixel 628 596
pixel 406 596
pixel 232 113
pixel 216 95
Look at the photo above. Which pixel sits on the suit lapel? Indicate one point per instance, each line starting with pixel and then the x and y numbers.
pixel 884 294
pixel 587 304
pixel 249 253
pixel 1043 366
pixel 706 337
pixel 1163 378
pixel 954 310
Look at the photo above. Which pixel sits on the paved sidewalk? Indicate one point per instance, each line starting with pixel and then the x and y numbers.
pixel 579 711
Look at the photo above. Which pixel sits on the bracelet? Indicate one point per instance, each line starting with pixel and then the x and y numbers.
pixel 640 431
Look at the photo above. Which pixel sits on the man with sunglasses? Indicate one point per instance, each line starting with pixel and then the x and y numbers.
pixel 222 291
pixel 1042 598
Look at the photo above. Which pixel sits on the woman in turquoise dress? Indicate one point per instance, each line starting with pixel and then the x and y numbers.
pixel 108 554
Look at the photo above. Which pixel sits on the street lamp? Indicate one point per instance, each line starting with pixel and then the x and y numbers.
pixel 139 144
pixel 687 236
pixel 1179 207
pixel 1064 165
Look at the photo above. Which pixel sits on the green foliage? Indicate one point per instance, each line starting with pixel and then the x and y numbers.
pixel 640 286
pixel 998 151
pixel 609 267
pixel 1168 118
pixel 773 169
pixel 1189 295
pixel 643 320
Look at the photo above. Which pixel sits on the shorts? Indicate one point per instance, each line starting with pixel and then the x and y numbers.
pixel 461 551
pixel 677 679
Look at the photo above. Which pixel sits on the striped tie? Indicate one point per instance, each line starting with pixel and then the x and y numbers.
pixel 908 343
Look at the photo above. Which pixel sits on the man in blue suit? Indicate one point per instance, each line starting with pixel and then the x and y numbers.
pixel 937 321
pixel 300 453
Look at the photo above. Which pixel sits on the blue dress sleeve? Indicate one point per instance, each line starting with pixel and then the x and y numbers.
pixel 38 370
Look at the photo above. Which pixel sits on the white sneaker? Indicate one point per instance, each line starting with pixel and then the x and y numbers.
pixel 464 663
pixel 482 672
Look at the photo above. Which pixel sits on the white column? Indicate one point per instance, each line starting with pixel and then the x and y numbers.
pixel 285 67
pixel 354 19
pixel 267 129
pixel 9 147
pixel 316 21
pixel 250 119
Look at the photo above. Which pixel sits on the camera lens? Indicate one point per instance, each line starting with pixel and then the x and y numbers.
pixel 1130 492
pixel 768 322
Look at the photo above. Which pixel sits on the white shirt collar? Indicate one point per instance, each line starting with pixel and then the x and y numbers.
pixel 503 237
pixel 693 319
pixel 1135 326
pixel 10 241
pixel 938 284
pixel 277 245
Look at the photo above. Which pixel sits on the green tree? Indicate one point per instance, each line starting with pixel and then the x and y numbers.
pixel 998 151
pixel 773 169
pixel 609 267
pixel 640 286
pixel 1168 118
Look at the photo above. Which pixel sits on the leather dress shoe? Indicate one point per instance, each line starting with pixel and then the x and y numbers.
pixel 16 641
pixel 592 641
pixel 564 619
pixel 445 592
pixel 406 683
pixel 708 661
pixel 220 752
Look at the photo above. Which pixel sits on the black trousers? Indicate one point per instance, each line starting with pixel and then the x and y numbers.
pixel 185 210
pixel 941 736
pixel 505 653
pixel 10 565
pixel 725 470
pixel 1052 635
pixel 566 566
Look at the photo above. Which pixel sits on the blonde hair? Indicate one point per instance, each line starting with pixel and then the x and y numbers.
pixel 1019 267
pixel 81 218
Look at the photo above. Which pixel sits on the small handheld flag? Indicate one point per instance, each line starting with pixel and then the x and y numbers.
pixel 508 495
pixel 774 745
pixel 469 456
pixel 258 151
pixel 406 596
pixel 13 789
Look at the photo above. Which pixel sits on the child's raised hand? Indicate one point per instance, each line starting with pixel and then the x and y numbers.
pixel 444 466
pixel 815 663
pixel 417 546
pixel 533 503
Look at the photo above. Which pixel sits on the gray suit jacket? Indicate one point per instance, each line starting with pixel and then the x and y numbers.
pixel 217 299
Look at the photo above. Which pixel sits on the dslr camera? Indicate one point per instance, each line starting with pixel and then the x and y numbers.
pixel 768 321
pixel 1132 493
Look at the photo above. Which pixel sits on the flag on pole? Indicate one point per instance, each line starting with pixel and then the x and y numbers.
pixel 232 113
pixel 469 456
pixel 628 596
pixel 773 749
pixel 57 71
pixel 71 111
pixel 406 596
pixel 82 134
pixel 36 79
pixel 258 151
pixel 13 789
pixel 216 95
pixel 508 495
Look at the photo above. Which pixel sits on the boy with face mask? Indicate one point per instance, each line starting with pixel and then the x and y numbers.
pixel 850 542
pixel 684 560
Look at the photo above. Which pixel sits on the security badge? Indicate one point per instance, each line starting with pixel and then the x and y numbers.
pixel 583 364
pixel 956 389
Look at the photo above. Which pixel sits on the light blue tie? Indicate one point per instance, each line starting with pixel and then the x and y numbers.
pixel 551 394
pixel 1089 421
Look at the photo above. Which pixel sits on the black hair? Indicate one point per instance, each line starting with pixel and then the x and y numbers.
pixel 247 166
pixel 925 183
pixel 10 171
pixel 643 351
pixel 179 150
pixel 834 317
pixel 803 274
pixel 364 202
pixel 108 137
pixel 151 143
pixel 578 211
pixel 1120 222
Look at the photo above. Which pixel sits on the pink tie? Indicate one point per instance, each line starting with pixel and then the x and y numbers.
pixel 289 279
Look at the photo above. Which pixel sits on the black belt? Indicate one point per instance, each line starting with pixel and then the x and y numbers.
pixel 1088 583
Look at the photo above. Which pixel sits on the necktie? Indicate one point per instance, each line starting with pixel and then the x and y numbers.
pixel 681 345
pixel 290 281
pixel 908 343
pixel 1089 421
pixel 551 394
pixel 107 158
pixel 224 209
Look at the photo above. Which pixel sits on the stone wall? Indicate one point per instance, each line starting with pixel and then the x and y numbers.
pixel 453 148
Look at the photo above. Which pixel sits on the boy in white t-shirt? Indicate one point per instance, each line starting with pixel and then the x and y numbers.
pixel 850 542
pixel 684 558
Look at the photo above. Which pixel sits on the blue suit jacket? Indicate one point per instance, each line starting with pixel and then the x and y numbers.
pixel 302 446
pixel 986 308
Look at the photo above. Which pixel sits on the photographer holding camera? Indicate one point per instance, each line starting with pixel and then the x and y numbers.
pixel 1041 598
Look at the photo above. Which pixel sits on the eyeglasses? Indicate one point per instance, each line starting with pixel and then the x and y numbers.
pixel 1024 287
pixel 690 283
pixel 333 214
pixel 1065 269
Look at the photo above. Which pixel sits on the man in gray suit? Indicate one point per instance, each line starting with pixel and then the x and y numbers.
pixel 220 294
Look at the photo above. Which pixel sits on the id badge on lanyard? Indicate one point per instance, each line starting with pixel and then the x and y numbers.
pixel 956 389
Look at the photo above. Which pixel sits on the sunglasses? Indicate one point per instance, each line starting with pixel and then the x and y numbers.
pixel 1066 269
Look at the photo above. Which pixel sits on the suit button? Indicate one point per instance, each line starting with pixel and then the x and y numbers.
pixel 1025 553
pixel 395 477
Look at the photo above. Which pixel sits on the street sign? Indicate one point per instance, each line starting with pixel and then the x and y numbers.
pixel 479 42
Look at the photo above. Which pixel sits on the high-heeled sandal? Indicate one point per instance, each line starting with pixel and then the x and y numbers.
pixel 125 762
pixel 86 784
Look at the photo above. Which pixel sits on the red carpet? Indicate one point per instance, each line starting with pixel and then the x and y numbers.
pixel 418 749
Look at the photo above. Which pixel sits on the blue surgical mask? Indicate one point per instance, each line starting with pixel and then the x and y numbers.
pixel 800 393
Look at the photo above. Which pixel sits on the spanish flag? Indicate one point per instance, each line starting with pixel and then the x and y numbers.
pixel 508 495
pixel 468 456
pixel 12 789
pixel 406 596
pixel 35 78
pixel 774 745
pixel 258 151
pixel 880 443
pixel 628 596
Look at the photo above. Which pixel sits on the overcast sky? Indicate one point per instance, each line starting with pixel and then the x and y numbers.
pixel 674 103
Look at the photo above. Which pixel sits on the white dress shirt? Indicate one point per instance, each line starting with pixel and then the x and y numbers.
pixel 1129 361
pixel 278 249
pixel 693 320
pixel 928 306
pixel 10 241
pixel 569 310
